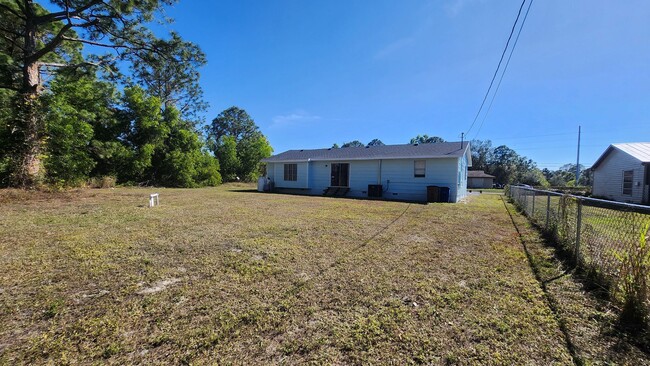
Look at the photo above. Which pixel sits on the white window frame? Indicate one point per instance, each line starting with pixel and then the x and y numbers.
pixel 627 191
pixel 419 172
pixel 291 172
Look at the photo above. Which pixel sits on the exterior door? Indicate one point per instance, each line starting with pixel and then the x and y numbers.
pixel 340 175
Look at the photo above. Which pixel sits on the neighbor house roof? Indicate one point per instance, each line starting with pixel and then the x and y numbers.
pixel 409 151
pixel 478 174
pixel 638 150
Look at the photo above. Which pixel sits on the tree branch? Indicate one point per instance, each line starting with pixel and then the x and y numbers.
pixel 50 46
pixel 19 5
pixel 13 43
pixel 62 65
pixel 93 43
pixel 65 14
pixel 12 11
pixel 54 42
pixel 11 31
pixel 9 87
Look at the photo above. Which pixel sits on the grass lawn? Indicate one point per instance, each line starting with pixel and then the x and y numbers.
pixel 239 277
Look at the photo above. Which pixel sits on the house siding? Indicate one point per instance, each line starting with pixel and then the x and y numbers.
pixel 608 177
pixel 480 182
pixel 462 178
pixel 395 175
pixel 275 171
pixel 399 183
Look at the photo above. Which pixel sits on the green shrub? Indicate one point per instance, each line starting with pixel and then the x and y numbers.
pixel 633 286
pixel 102 182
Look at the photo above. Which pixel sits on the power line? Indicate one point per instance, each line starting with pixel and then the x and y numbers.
pixel 512 50
pixel 531 136
pixel 512 31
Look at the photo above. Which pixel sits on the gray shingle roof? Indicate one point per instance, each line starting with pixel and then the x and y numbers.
pixel 478 174
pixel 409 151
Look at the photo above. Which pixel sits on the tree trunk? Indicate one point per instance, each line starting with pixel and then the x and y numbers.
pixel 28 172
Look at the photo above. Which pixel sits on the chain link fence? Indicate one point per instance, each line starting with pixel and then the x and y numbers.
pixel 599 235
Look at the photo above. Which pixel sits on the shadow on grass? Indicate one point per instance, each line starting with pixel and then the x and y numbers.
pixel 617 340
pixel 550 300
pixel 252 190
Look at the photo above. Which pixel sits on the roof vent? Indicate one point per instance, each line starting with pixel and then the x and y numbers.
pixel 367 147
pixel 302 150
pixel 415 144
pixel 329 148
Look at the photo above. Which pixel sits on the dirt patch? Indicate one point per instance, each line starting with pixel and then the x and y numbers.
pixel 158 286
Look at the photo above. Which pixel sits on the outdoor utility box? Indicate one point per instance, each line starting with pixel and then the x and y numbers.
pixel 433 194
pixel 375 190
pixel 443 194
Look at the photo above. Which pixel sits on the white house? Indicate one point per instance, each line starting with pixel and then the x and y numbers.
pixel 400 172
pixel 622 173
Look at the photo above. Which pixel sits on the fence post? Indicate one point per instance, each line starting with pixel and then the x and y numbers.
pixel 532 211
pixel 548 208
pixel 578 225
pixel 525 193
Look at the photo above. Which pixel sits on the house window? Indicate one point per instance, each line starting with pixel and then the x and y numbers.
pixel 290 172
pixel 419 168
pixel 628 177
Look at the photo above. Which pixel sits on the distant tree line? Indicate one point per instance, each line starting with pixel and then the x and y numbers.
pixel 133 113
pixel 505 164
pixel 565 176
pixel 509 167
pixel 419 139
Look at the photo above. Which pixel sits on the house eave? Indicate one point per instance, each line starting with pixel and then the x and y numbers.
pixel 360 159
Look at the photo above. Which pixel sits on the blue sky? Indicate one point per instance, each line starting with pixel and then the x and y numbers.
pixel 312 73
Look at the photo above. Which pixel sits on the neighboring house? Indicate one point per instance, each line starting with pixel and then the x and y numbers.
pixel 479 179
pixel 622 173
pixel 400 172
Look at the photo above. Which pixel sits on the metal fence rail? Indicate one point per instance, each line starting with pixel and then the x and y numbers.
pixel 596 232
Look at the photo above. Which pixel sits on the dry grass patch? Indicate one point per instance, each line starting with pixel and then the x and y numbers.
pixel 94 276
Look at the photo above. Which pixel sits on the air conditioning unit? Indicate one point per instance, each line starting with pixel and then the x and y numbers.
pixel 375 190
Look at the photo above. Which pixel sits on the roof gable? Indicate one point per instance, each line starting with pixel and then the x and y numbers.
pixel 408 151
pixel 638 150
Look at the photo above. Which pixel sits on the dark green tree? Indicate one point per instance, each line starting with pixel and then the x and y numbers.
pixel 425 139
pixel 376 142
pixel 169 71
pixel 250 145
pixel 504 164
pixel 74 104
pixel 7 142
pixel 157 147
pixel 226 152
pixel 355 143
pixel 182 161
pixel 35 40
pixel 481 154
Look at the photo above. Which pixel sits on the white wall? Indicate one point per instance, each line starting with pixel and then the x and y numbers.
pixel 399 182
pixel 608 177
pixel 396 177
pixel 275 171
pixel 479 182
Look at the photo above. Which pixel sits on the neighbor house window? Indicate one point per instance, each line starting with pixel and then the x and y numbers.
pixel 290 172
pixel 419 168
pixel 628 177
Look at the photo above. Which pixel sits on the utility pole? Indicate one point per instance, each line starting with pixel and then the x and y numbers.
pixel 578 158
